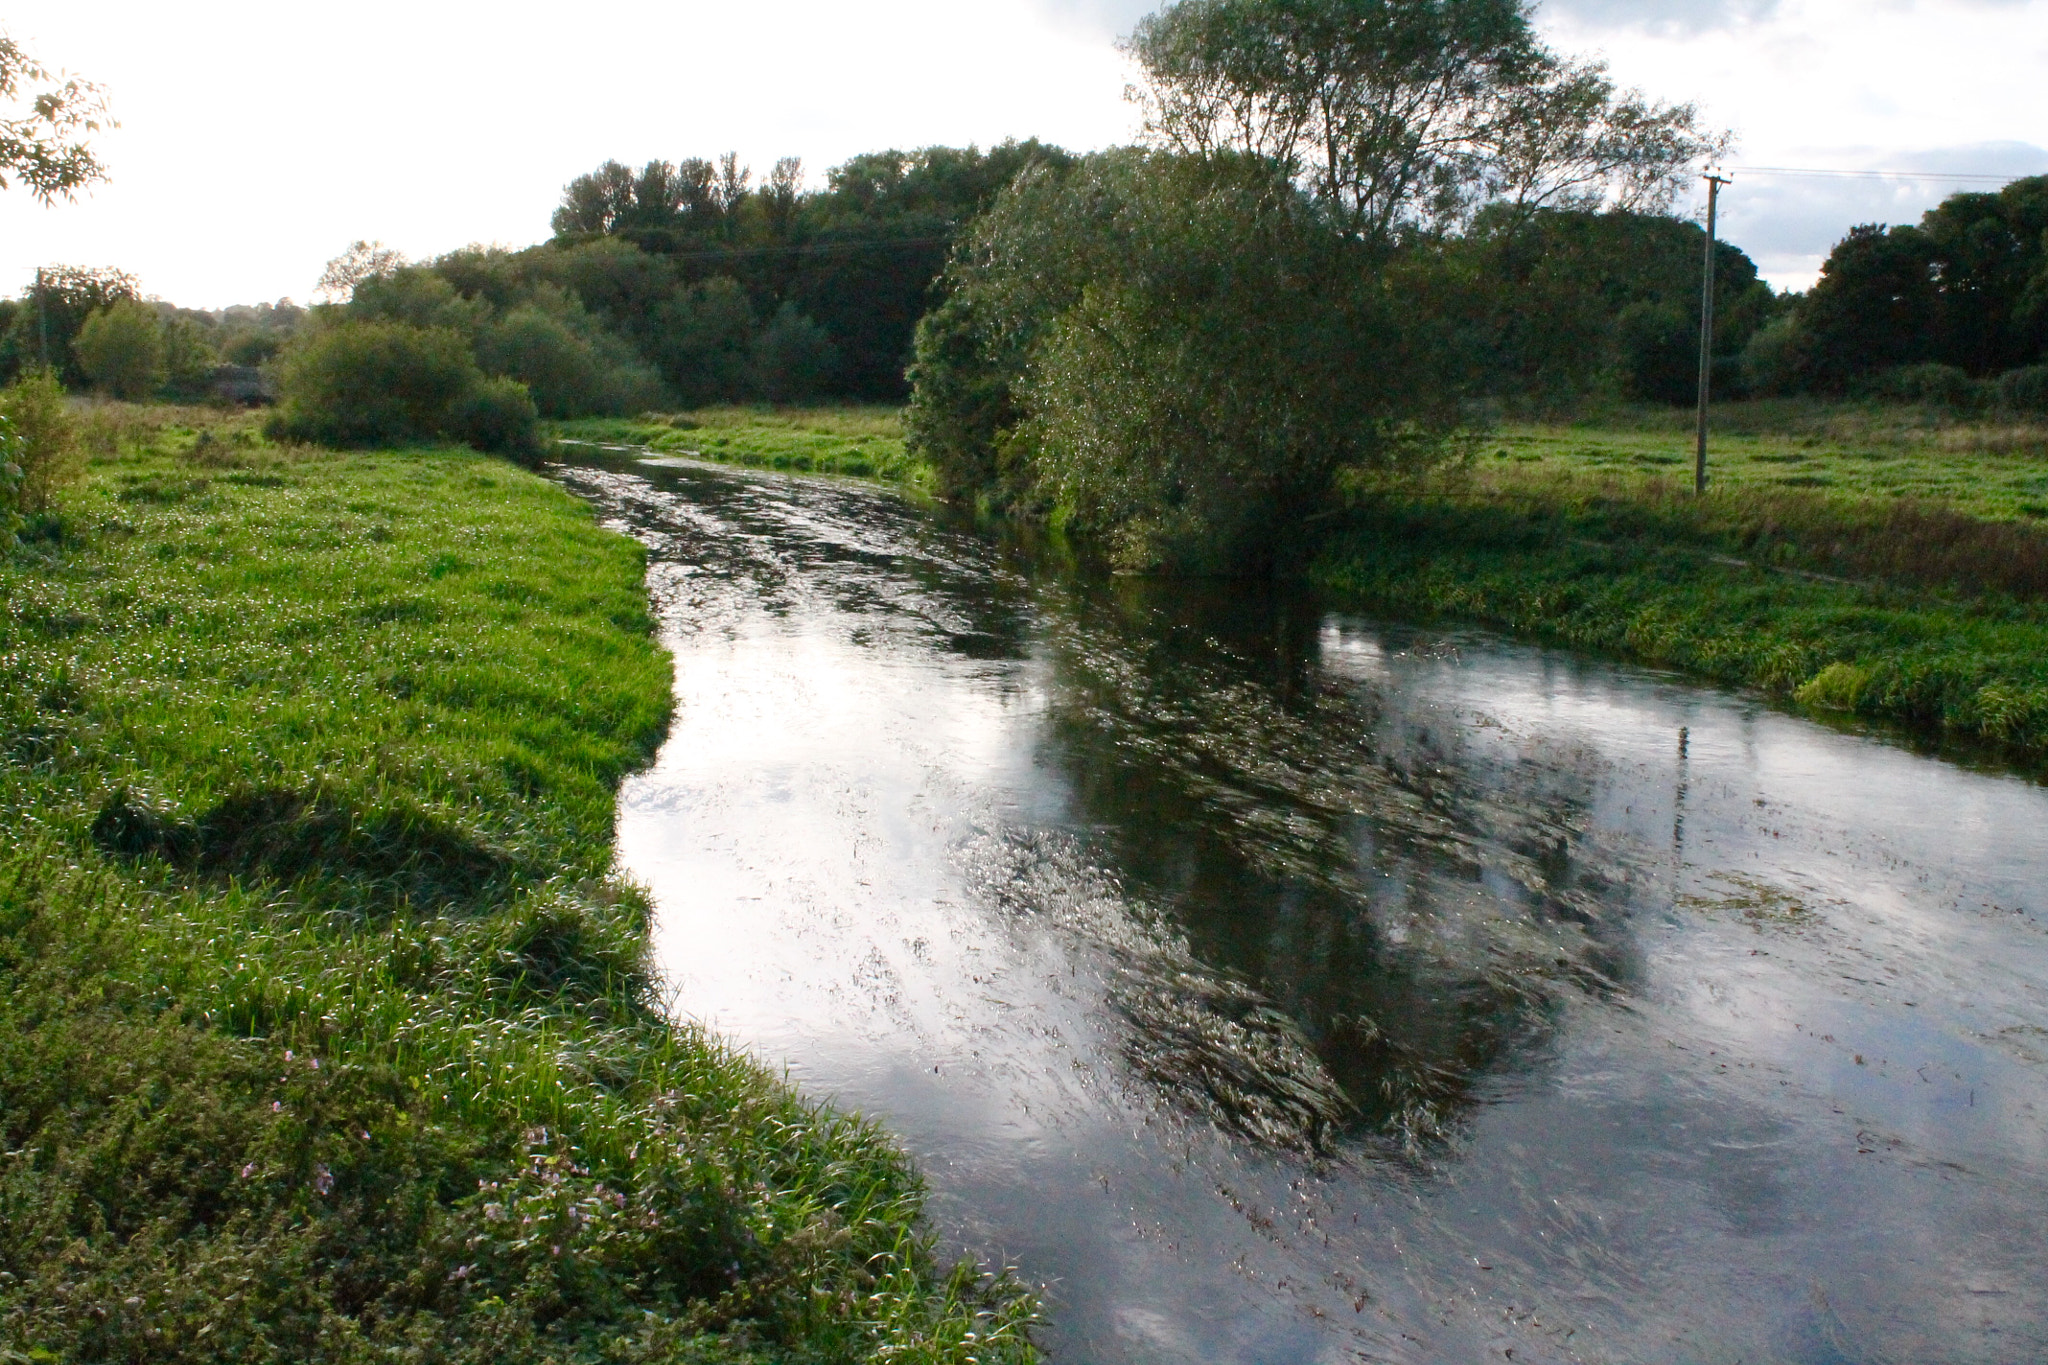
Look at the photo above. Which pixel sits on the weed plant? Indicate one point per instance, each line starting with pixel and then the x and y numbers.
pixel 325 1034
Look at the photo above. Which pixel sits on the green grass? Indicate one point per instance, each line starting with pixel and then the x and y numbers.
pixel 1925 611
pixel 325 1034
pixel 860 442
pixel 1981 469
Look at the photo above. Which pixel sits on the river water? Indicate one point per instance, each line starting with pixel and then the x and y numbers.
pixel 1272 984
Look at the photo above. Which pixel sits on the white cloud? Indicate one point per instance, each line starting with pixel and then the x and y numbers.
pixel 259 139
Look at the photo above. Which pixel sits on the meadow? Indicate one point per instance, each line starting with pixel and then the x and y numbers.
pixel 1981 468
pixel 1871 562
pixel 326 1031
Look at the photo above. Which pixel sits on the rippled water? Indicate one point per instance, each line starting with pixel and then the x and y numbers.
pixel 1276 985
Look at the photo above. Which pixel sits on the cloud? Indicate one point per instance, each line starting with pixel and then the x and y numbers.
pixel 1114 17
pixel 1660 16
pixel 1789 223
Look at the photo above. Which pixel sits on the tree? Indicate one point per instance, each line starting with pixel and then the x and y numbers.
pixel 1408 114
pixel 1872 308
pixel 1192 355
pixel 362 261
pixel 43 143
pixel 121 349
pixel 52 310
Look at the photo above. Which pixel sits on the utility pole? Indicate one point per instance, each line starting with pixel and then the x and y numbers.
pixel 1699 470
pixel 42 319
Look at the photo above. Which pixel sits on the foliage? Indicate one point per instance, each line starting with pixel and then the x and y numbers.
pixel 53 310
pixel 11 456
pixel 1197 354
pixel 793 359
pixel 496 415
pixel 43 138
pixel 323 1036
pixel 572 368
pixel 362 261
pixel 2025 391
pixel 379 384
pixel 1401 114
pixel 121 349
pixel 46 440
pixel 1967 287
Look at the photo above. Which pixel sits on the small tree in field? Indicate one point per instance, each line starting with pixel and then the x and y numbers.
pixel 121 349
pixel 47 451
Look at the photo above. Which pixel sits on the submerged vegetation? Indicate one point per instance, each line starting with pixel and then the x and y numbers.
pixel 325 1034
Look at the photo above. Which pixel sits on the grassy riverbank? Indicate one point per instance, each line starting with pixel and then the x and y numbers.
pixel 324 1034
pixel 1833 588
pixel 858 442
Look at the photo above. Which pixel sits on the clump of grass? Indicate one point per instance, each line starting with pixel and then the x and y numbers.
pixel 324 1033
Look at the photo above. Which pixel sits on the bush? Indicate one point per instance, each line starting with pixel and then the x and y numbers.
pixel 121 349
pixel 10 485
pixel 794 359
pixel 373 384
pixel 568 372
pixel 1933 385
pixel 2024 391
pixel 497 416
pixel 47 446
pixel 1196 354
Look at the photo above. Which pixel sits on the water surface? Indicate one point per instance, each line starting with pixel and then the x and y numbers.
pixel 1277 985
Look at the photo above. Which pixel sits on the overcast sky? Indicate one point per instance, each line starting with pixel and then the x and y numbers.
pixel 259 139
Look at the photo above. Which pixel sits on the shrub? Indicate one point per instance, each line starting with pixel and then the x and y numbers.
pixel 373 384
pixel 1935 385
pixel 121 349
pixel 48 450
pixel 10 485
pixel 497 416
pixel 568 372
pixel 1199 354
pixel 2024 390
pixel 794 359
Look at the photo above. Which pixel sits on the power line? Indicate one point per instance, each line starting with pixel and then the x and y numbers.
pixel 1973 177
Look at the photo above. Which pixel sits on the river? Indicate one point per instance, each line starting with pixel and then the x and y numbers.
pixel 1272 984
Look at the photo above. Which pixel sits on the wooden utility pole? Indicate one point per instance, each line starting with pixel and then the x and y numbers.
pixel 42 320
pixel 1699 470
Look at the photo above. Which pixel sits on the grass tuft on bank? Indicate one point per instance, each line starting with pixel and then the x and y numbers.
pixel 325 1033
pixel 858 442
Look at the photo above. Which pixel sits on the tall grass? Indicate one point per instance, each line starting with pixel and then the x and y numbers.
pixel 1945 630
pixel 325 1033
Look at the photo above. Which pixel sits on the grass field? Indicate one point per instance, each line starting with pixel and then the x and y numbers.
pixel 1994 470
pixel 861 442
pixel 1854 560
pixel 325 1033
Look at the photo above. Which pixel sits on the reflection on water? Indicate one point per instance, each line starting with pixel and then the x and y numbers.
pixel 1279 986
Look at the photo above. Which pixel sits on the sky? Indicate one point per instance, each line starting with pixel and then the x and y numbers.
pixel 258 139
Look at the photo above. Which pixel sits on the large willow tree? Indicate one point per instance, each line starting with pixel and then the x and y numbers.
pixel 1408 114
pixel 1183 349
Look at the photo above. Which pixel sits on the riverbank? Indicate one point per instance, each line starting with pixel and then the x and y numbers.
pixel 857 442
pixel 325 1034
pixel 1868 560
pixel 1897 611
